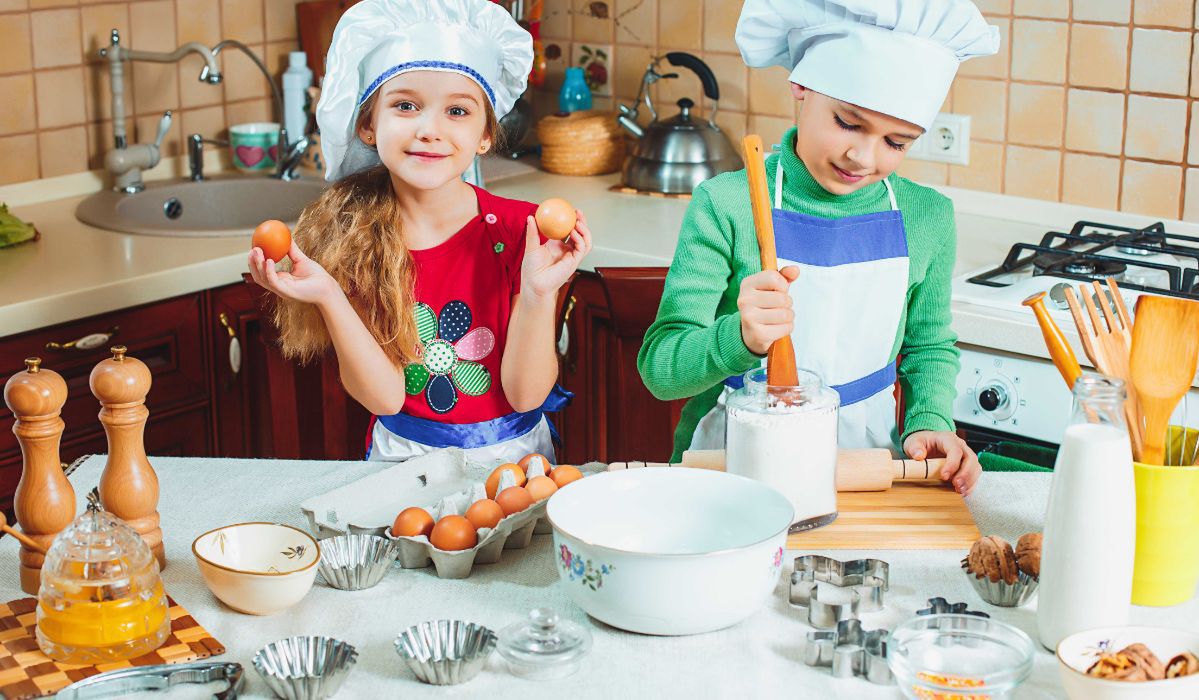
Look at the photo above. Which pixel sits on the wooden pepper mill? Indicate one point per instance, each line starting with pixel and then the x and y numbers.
pixel 45 500
pixel 128 486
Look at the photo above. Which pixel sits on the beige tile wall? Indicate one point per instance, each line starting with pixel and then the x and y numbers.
pixel 1091 102
pixel 55 110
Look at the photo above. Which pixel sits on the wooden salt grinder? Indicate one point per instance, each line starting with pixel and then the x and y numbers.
pixel 128 486
pixel 45 500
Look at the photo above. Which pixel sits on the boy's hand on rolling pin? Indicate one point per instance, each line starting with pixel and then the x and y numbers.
pixel 765 308
pixel 307 281
pixel 961 464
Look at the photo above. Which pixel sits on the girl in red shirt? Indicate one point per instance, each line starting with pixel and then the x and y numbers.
pixel 437 296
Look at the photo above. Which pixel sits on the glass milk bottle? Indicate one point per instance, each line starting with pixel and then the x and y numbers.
pixel 1090 525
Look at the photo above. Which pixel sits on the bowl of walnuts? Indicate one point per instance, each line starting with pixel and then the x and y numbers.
pixel 1130 663
pixel 1002 575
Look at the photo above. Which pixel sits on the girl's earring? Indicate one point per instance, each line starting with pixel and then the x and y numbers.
pixel 483 149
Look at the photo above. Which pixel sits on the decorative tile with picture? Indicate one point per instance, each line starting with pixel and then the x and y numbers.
pixel 596 62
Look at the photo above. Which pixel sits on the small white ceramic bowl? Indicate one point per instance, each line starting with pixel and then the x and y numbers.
pixel 257 568
pixel 669 550
pixel 1079 651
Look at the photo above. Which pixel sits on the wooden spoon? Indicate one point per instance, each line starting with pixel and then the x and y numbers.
pixel 21 537
pixel 1165 349
pixel 780 358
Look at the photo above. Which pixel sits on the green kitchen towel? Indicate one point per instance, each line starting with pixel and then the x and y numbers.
pixel 13 230
pixel 1017 457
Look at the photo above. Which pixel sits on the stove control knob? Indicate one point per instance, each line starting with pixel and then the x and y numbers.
pixel 992 398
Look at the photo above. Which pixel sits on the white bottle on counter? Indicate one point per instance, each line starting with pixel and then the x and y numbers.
pixel 296 80
pixel 1090 525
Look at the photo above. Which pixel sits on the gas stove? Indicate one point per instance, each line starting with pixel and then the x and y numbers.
pixel 1019 396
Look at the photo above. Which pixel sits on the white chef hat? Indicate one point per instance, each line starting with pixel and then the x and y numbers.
pixel 897 57
pixel 376 40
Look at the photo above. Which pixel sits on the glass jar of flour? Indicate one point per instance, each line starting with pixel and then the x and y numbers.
pixel 788 442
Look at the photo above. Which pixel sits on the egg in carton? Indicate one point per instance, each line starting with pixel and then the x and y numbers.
pixel 442 482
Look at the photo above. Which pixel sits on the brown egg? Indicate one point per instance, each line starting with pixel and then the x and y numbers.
pixel 484 513
pixel 541 487
pixel 565 474
pixel 274 238
pixel 528 459
pixel 453 533
pixel 493 481
pixel 556 218
pixel 514 499
pixel 412 522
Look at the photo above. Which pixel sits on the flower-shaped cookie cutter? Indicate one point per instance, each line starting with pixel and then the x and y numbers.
pixel 940 606
pixel 850 651
pixel 869 577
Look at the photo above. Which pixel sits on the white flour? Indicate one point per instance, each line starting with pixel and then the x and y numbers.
pixel 793 451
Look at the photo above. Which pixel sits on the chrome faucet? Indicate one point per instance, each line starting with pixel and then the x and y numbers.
pixel 125 161
pixel 290 151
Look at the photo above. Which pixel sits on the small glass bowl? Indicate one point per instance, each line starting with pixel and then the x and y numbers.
pixel 958 656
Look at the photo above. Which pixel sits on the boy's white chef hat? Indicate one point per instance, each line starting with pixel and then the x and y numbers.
pixel 897 57
pixel 376 40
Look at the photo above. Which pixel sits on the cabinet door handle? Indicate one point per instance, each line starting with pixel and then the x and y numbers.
pixel 90 341
pixel 234 343
pixel 564 336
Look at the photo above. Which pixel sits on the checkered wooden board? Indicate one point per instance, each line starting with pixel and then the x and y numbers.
pixel 25 672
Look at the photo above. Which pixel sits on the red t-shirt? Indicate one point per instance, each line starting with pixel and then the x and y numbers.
pixel 464 290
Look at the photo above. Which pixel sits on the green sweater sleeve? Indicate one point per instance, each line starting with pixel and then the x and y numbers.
pixel 930 356
pixel 691 347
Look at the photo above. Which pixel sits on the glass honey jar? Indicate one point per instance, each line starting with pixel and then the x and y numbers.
pixel 101 597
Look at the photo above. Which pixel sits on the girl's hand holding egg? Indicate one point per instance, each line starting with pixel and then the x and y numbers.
pixel 547 267
pixel 307 281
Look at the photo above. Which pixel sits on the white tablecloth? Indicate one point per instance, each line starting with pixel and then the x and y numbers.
pixel 761 657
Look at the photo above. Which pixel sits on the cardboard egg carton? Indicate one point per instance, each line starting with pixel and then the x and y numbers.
pixel 442 481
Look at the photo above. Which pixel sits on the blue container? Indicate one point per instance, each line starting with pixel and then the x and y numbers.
pixel 574 95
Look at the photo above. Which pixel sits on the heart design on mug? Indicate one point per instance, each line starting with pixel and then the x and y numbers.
pixel 250 155
pixel 274 153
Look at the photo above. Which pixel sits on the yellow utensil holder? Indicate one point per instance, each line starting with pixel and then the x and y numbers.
pixel 1167 559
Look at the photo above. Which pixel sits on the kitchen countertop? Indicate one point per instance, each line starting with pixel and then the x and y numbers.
pixel 77 270
pixel 760 657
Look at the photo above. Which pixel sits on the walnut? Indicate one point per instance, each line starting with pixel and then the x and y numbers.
pixel 994 558
pixel 1028 554
pixel 1184 664
pixel 1117 667
pixel 1147 660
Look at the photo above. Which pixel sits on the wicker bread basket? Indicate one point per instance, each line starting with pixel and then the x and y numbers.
pixel 581 143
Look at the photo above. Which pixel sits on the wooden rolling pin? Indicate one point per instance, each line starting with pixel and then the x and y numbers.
pixel 857 470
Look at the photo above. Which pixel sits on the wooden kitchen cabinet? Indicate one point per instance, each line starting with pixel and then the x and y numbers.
pixel 166 335
pixel 241 401
pixel 613 417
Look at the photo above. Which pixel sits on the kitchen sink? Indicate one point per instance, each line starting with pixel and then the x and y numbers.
pixel 220 206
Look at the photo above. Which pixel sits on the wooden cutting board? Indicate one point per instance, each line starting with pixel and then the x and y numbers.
pixel 909 515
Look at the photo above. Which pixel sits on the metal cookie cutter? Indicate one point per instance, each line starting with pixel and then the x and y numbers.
pixel 850 651
pixel 869 577
pixel 141 678
pixel 940 606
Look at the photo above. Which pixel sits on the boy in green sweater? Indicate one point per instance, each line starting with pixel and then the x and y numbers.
pixel 866 256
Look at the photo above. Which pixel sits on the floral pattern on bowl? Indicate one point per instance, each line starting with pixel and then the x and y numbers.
pixel 578 568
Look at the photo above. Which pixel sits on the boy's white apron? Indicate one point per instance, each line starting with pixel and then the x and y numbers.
pixel 848 301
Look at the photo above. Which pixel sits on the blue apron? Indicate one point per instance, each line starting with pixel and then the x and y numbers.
pixel 849 301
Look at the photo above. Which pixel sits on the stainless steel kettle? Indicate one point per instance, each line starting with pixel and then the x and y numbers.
pixel 675 155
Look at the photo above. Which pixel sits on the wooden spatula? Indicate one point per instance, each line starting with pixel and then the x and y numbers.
pixel 1055 341
pixel 1107 344
pixel 1165 349
pixel 780 358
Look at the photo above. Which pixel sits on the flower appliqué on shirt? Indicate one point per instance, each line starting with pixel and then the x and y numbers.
pixel 448 358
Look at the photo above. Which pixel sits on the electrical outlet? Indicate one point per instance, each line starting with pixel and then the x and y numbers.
pixel 946 141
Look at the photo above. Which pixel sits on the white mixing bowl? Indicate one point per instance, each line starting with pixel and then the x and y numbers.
pixel 669 550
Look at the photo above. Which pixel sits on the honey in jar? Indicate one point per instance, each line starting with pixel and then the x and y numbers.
pixel 101 597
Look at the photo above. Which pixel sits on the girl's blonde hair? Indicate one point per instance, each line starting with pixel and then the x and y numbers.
pixel 353 231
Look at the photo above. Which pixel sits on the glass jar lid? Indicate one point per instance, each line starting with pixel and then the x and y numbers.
pixel 97 547
pixel 544 646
